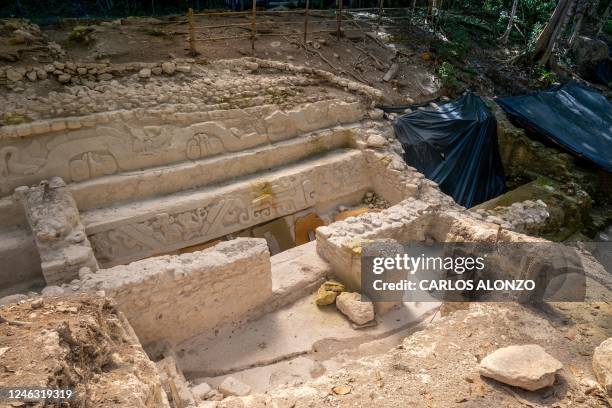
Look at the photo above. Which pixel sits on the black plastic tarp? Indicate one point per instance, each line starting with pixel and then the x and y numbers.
pixel 573 116
pixel 455 145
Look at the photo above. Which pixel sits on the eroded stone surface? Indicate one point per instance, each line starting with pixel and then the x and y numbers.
pixel 174 383
pixel 135 231
pixel 602 364
pixel 191 293
pixel 59 235
pixel 233 387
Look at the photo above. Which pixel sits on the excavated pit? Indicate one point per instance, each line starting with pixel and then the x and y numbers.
pixel 211 205
pixel 193 202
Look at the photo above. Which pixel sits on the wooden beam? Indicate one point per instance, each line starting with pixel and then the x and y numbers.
pixel 192 40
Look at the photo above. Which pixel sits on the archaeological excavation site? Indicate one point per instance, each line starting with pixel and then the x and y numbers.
pixel 225 205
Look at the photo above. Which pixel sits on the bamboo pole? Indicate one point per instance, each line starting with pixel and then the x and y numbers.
pixel 306 21
pixel 339 19
pixel 192 46
pixel 253 25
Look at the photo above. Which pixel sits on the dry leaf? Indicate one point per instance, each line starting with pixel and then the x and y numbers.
pixel 341 389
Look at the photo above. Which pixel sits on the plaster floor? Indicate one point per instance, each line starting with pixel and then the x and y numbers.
pixel 294 344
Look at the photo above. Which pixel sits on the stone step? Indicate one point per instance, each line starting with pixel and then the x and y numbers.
pixel 133 231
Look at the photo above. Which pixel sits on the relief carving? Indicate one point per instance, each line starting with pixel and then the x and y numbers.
pixel 165 231
pixel 13 163
pixel 92 164
pixel 150 139
pixel 202 145
pixel 168 231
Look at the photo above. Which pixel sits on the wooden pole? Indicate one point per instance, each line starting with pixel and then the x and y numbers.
pixel 339 19
pixel 192 46
pixel 380 11
pixel 253 25
pixel 306 21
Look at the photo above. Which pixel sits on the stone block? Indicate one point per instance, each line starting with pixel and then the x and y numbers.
pixel 59 235
pixel 191 293
pixel 233 387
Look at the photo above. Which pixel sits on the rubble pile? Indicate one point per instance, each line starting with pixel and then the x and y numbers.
pixel 18 36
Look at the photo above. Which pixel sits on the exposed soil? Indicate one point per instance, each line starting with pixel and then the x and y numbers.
pixel 355 55
pixel 438 366
pixel 78 343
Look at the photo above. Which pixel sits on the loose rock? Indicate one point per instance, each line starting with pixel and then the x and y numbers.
pixel 528 366
pixel 359 309
pixel 602 364
pixel 14 75
pixel 231 386
pixel 64 78
pixel 52 291
pixel 37 304
pixel 327 293
pixel 376 114
pixel 12 299
pixel 200 391
pixel 144 73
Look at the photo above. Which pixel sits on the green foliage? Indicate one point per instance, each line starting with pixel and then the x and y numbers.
pixel 608 27
pixel 458 42
pixel 533 35
pixel 15 118
pixel 448 75
pixel 493 6
pixel 544 76
pixel 81 34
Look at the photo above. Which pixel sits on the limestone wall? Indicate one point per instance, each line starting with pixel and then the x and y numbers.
pixel 95 129
pixel 19 262
pixel 80 149
pixel 413 220
pixel 340 243
pixel 175 297
pixel 145 155
pixel 392 179
pixel 135 231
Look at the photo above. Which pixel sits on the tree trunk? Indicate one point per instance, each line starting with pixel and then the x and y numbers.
pixel 604 19
pixel 431 5
pixel 504 38
pixel 549 36
pixel 580 11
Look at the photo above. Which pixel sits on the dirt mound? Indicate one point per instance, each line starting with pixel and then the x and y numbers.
pixel 79 343
pixel 21 37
